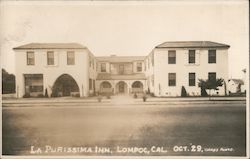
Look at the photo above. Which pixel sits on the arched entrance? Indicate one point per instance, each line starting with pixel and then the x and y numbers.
pixel 106 88
pixel 121 87
pixel 65 85
pixel 137 87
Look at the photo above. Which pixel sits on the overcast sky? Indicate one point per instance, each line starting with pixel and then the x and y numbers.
pixel 126 28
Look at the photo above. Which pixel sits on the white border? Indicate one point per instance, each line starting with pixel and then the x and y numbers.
pixel 130 2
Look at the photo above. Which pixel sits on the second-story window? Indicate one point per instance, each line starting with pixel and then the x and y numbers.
pixel 139 67
pixel 121 69
pixel 171 57
pixel 30 58
pixel 50 58
pixel 211 56
pixel 191 56
pixel 103 67
pixel 70 58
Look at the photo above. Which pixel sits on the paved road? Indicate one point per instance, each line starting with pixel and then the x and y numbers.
pixel 125 124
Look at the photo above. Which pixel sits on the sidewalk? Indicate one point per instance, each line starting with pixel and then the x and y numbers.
pixel 166 99
pixel 119 100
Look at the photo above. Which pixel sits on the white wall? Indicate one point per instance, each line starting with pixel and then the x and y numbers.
pixel 149 73
pixel 182 70
pixel 79 71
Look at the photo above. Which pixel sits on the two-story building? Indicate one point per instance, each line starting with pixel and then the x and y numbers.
pixel 61 69
pixel 70 69
pixel 121 74
pixel 172 65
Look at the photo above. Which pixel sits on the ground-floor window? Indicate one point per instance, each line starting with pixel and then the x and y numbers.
pixel 212 76
pixel 171 79
pixel 33 84
pixel 90 84
pixel 191 79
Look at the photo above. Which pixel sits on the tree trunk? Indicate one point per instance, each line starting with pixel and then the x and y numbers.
pixel 209 94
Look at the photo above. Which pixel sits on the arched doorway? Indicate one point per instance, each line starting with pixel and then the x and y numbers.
pixel 121 87
pixel 137 87
pixel 106 88
pixel 65 85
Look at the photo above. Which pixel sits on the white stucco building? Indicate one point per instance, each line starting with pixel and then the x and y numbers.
pixel 70 69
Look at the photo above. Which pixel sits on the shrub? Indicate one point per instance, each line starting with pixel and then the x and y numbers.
pixel 135 95
pixel 54 94
pixel 108 97
pixel 46 93
pixel 144 98
pixel 78 95
pixel 26 95
pixel 152 94
pixel 40 96
pixel 183 91
pixel 99 98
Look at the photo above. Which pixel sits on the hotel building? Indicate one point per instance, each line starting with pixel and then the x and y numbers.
pixel 70 69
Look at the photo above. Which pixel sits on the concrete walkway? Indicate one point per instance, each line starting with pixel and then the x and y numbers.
pixel 118 99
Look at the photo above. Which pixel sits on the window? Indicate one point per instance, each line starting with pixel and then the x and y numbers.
pixel 171 79
pixel 70 58
pixel 30 58
pixel 191 56
pixel 171 57
pixel 139 66
pixel 191 79
pixel 211 56
pixel 50 58
pixel 33 83
pixel 90 84
pixel 121 69
pixel 211 76
pixel 103 67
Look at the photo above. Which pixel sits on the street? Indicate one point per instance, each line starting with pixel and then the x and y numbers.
pixel 128 123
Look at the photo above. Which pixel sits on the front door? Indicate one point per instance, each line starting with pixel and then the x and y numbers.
pixel 121 87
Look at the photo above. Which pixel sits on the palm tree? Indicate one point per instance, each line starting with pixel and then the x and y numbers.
pixel 210 84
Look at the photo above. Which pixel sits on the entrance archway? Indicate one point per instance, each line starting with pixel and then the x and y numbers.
pixel 121 87
pixel 65 85
pixel 137 87
pixel 106 88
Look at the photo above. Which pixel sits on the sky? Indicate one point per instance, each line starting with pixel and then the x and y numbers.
pixel 126 28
